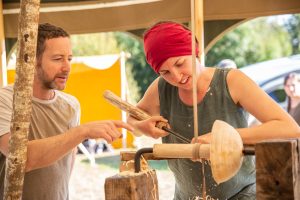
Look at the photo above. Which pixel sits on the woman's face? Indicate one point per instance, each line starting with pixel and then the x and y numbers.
pixel 178 71
pixel 292 87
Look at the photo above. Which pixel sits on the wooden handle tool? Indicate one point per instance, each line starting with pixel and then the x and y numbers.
pixel 138 113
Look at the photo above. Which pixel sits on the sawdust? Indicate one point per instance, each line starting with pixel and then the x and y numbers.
pixel 201 198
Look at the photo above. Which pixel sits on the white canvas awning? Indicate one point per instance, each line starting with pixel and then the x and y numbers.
pixel 122 15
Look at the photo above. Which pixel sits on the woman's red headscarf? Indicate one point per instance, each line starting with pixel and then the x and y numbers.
pixel 165 40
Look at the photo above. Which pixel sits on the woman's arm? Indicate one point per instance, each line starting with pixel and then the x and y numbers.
pixel 150 104
pixel 276 123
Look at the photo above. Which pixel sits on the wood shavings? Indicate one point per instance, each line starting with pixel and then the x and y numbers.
pixel 154 191
pixel 127 169
pixel 201 198
pixel 129 165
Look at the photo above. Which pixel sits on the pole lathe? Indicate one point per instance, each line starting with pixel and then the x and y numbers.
pixel 225 152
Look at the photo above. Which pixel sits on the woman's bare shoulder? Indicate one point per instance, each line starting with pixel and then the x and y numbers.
pixel 150 100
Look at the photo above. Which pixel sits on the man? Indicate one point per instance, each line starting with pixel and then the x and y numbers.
pixel 227 63
pixel 54 132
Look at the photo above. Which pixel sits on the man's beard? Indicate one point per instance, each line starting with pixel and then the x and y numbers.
pixel 48 83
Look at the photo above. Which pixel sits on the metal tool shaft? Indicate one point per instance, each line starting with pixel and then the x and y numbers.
pixel 177 135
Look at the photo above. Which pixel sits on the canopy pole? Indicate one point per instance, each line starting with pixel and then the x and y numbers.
pixel 197 19
pixel 3 71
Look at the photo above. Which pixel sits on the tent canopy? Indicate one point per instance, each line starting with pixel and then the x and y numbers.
pixel 78 16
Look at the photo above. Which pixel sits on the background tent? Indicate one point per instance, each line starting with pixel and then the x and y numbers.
pixel 89 78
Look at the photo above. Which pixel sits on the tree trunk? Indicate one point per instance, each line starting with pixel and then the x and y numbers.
pixel 22 99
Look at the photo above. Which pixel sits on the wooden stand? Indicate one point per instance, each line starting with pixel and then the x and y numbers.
pixel 133 186
pixel 278 169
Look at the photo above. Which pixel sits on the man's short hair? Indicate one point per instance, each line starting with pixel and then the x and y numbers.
pixel 227 63
pixel 47 31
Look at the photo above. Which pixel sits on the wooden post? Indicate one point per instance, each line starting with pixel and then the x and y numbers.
pixel 128 185
pixel 22 99
pixel 3 79
pixel 278 169
pixel 132 186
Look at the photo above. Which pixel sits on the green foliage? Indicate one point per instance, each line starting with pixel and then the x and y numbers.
pixel 293 27
pixel 139 73
pixel 94 44
pixel 254 41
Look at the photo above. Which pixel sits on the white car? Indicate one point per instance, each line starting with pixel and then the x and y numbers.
pixel 269 75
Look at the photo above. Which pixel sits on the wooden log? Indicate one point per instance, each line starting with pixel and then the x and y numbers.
pixel 278 169
pixel 132 186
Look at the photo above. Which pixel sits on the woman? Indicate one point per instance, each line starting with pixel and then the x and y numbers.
pixel 292 90
pixel 222 94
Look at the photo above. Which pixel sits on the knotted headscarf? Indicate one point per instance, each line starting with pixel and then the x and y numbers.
pixel 165 40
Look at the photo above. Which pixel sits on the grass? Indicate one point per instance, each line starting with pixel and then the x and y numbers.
pixel 113 162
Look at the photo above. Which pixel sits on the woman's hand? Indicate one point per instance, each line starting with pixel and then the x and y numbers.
pixel 148 127
pixel 203 139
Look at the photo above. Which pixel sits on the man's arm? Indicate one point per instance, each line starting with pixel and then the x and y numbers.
pixel 74 152
pixel 4 139
pixel 44 152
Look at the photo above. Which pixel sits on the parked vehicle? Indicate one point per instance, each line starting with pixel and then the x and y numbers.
pixel 269 75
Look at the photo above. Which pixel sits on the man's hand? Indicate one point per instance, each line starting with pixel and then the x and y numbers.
pixel 107 129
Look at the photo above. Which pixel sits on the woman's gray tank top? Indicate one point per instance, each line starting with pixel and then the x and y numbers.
pixel 217 104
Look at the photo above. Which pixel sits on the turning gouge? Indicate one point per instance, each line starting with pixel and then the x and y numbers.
pixel 138 113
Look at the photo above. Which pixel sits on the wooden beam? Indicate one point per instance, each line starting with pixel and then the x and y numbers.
pixel 76 17
pixel 278 169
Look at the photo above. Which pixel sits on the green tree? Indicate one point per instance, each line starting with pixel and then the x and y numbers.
pixel 293 27
pixel 94 44
pixel 139 73
pixel 254 41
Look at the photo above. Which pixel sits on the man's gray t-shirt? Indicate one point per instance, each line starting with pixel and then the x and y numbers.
pixel 48 118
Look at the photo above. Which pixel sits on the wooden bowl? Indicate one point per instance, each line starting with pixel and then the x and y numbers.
pixel 226 151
